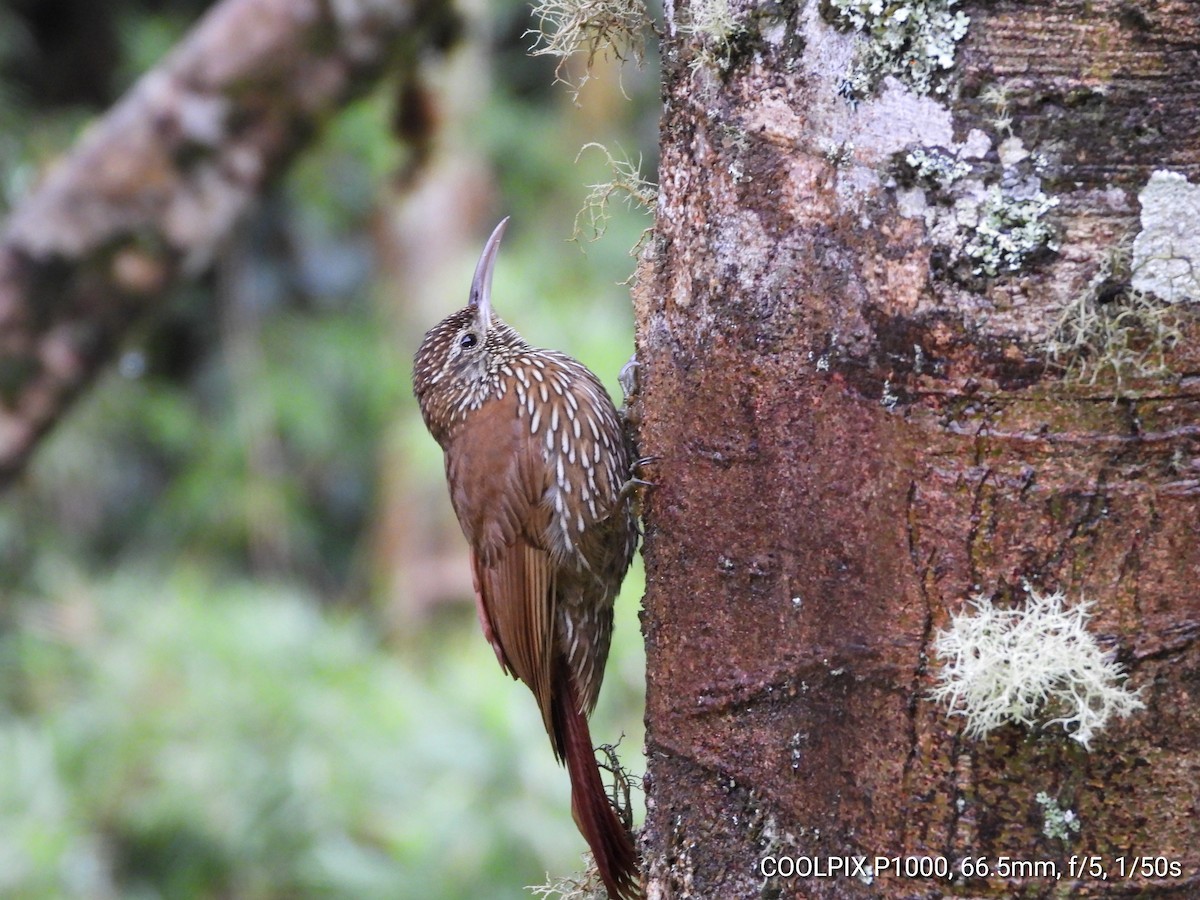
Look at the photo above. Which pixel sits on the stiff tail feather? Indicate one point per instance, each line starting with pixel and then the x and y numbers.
pixel 610 841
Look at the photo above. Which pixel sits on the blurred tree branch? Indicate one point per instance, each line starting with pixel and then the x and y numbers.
pixel 152 189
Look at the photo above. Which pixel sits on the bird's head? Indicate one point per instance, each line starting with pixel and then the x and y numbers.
pixel 458 364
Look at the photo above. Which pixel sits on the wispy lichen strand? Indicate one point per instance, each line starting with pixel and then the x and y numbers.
pixel 713 22
pixel 627 185
pixel 592 27
pixel 1111 329
pixel 585 885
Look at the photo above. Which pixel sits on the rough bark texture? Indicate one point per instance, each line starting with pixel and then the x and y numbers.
pixel 153 188
pixel 858 432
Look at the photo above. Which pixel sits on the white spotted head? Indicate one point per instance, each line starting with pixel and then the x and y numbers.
pixel 457 366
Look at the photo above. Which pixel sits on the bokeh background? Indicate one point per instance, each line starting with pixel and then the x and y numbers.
pixel 238 652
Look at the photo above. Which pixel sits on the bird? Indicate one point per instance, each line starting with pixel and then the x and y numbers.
pixel 538 467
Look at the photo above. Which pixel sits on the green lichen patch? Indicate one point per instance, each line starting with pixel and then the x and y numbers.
pixel 1009 229
pixel 911 40
pixel 990 225
pixel 932 169
pixel 935 167
pixel 1057 823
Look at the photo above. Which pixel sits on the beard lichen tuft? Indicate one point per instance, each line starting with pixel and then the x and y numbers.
pixel 1032 665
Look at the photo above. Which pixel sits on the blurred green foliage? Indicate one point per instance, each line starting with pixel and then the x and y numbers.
pixel 204 692
pixel 187 736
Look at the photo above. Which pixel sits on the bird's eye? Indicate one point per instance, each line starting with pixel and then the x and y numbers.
pixel 468 340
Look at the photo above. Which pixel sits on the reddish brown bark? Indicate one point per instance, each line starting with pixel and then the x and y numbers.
pixel 855 438
pixel 155 186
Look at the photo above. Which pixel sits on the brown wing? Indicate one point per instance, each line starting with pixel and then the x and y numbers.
pixel 497 480
pixel 518 593
pixel 591 533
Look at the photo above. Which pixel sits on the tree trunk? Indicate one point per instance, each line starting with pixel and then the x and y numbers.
pixel 914 331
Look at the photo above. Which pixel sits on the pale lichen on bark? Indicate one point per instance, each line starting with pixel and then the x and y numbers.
pixel 1010 236
pixel 1166 251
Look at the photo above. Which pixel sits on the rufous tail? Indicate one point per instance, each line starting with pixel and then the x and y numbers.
pixel 609 839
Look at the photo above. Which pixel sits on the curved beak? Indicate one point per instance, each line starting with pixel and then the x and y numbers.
pixel 481 284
